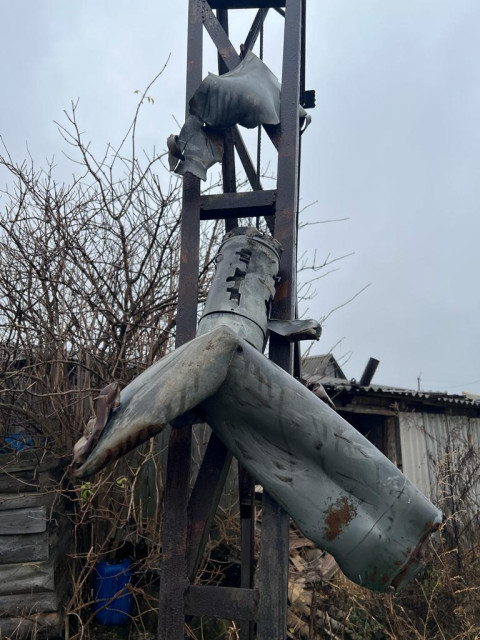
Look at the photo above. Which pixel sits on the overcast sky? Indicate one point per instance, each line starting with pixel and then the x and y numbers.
pixel 394 147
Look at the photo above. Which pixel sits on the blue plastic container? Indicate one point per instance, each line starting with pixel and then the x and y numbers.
pixel 112 579
pixel 18 442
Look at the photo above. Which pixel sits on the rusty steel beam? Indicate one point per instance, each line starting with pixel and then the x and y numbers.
pixel 273 579
pixel 179 562
pixel 220 39
pixel 222 17
pixel 246 4
pixel 229 176
pixel 303 54
pixel 245 159
pixel 174 569
pixel 254 32
pixel 246 496
pixel 250 171
pixel 204 499
pixel 244 204
pixel 288 161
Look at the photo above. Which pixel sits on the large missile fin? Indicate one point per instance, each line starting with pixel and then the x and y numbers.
pixel 170 388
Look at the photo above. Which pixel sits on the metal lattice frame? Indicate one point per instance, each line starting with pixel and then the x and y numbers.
pixel 188 515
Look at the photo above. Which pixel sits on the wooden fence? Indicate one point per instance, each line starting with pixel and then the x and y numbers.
pixel 35 539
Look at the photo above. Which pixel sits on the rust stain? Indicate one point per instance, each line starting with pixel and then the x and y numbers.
pixel 415 557
pixel 431 527
pixel 339 515
pixel 282 291
pixel 225 52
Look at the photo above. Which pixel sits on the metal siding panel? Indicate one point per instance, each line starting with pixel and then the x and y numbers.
pixel 473 438
pixel 474 430
pixel 437 446
pixel 433 442
pixel 465 441
pixel 414 452
pixel 447 441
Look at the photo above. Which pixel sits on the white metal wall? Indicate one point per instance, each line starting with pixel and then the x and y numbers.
pixel 414 451
pixel 433 445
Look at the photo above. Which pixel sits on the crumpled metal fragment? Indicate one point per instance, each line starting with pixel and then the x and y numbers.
pixel 248 95
pixel 295 330
pixel 195 149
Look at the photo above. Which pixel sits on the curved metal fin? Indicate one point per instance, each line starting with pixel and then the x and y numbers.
pixel 296 329
pixel 170 388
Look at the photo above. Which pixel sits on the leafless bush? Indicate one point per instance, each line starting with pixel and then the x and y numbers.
pixel 88 283
pixel 88 293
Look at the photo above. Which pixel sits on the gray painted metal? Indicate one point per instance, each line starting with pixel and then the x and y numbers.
pixel 195 149
pixel 177 383
pixel 248 95
pixel 244 285
pixel 342 492
pixel 296 329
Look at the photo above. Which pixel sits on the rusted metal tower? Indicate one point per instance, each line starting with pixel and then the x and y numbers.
pixel 189 514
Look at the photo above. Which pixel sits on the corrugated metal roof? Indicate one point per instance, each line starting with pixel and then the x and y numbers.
pixel 434 396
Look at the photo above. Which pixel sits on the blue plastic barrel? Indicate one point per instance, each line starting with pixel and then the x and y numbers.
pixel 112 579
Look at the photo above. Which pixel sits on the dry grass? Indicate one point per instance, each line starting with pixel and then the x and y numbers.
pixel 112 519
pixel 442 604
